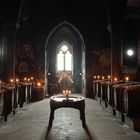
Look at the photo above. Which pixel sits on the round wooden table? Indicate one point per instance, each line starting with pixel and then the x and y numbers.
pixel 59 101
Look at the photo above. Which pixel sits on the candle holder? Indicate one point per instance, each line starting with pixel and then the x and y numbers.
pixel 66 93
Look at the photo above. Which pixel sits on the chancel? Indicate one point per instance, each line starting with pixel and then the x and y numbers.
pixel 70 70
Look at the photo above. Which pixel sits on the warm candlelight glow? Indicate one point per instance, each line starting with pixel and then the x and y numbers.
pixel 66 92
pixel 28 79
pixel 98 77
pixel 115 79
pixel 63 92
pixel 94 77
pixel 69 92
pixel 11 80
pixel 38 84
pixel 25 78
pixel 32 78
pixel 0 81
pixel 126 78
pixel 103 77
pixel 17 80
pixel 108 77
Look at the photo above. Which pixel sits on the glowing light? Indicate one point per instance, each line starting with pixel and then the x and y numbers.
pixel 17 80
pixel 63 92
pixel 69 92
pixel 108 77
pixel 126 78
pixel 38 84
pixel 68 61
pixel 66 92
pixel 103 77
pixel 32 78
pixel 25 78
pixel 0 81
pixel 130 52
pixel 98 77
pixel 115 79
pixel 95 77
pixel 60 61
pixel 11 80
pixel 64 48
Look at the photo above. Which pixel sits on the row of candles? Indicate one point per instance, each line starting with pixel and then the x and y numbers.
pixel 25 80
pixel 66 93
pixel 98 77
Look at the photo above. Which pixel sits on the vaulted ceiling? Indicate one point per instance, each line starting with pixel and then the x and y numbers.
pixel 96 9
pixel 90 16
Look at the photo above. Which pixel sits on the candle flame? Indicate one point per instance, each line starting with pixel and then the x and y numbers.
pixel 38 84
pixel 115 79
pixel 98 77
pixel 11 80
pixel 25 78
pixel 126 78
pixel 108 76
pixel 95 77
pixel 17 80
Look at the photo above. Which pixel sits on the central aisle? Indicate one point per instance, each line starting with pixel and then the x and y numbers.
pixel 31 122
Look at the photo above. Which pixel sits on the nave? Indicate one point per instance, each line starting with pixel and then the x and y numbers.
pixel 31 123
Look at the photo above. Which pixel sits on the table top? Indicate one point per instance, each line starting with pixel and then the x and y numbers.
pixel 72 98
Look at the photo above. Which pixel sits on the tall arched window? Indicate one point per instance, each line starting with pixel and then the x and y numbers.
pixel 64 59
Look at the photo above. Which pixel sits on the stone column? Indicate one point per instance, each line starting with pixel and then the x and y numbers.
pixel 9 31
pixel 138 58
pixel 116 44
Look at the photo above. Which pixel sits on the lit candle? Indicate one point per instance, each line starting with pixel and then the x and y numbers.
pixel 69 92
pixel 108 77
pixel 17 80
pixel 63 92
pixel 103 77
pixel 32 78
pixel 25 79
pixel 126 78
pixel 11 80
pixel 38 84
pixel 98 77
pixel 94 77
pixel 115 79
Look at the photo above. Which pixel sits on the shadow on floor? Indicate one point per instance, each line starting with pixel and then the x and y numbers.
pixel 85 128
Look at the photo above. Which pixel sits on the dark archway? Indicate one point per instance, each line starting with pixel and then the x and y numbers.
pixel 65 32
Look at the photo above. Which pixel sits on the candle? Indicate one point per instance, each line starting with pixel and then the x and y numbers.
pixel 17 80
pixel 115 79
pixel 38 84
pixel 25 79
pixel 94 77
pixel 126 78
pixel 32 78
pixel 108 76
pixel 11 80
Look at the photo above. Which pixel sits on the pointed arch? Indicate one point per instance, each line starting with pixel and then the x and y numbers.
pixel 68 33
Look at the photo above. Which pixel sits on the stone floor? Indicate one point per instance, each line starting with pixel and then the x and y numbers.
pixel 31 123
